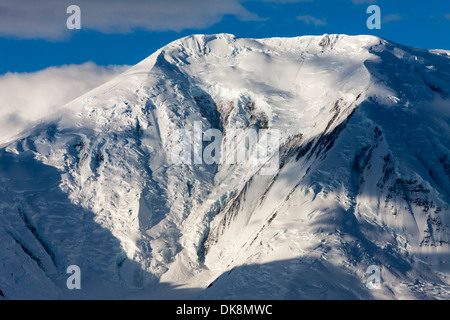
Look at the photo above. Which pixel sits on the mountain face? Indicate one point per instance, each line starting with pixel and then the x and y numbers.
pixel 362 177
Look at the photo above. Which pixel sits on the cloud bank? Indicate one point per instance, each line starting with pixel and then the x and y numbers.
pixel 27 97
pixel 46 19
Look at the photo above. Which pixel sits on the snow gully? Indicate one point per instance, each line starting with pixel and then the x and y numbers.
pixel 251 146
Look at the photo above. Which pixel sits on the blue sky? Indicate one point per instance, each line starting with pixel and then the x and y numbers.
pixel 33 34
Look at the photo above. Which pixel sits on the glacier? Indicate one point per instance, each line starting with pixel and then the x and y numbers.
pixel 363 177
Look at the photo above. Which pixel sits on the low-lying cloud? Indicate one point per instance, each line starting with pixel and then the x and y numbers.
pixel 27 97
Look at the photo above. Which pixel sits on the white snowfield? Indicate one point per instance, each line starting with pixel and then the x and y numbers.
pixel 363 178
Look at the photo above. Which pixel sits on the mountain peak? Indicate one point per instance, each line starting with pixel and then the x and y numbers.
pixel 362 177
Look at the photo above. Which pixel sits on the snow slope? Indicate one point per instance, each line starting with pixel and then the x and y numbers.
pixel 363 178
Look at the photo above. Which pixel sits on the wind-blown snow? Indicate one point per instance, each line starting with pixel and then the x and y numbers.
pixel 364 177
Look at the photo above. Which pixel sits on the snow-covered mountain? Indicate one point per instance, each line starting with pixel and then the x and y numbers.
pixel 363 177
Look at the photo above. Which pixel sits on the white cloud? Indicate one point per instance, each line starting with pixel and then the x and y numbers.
pixel 312 20
pixel 27 97
pixel 392 17
pixel 46 19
